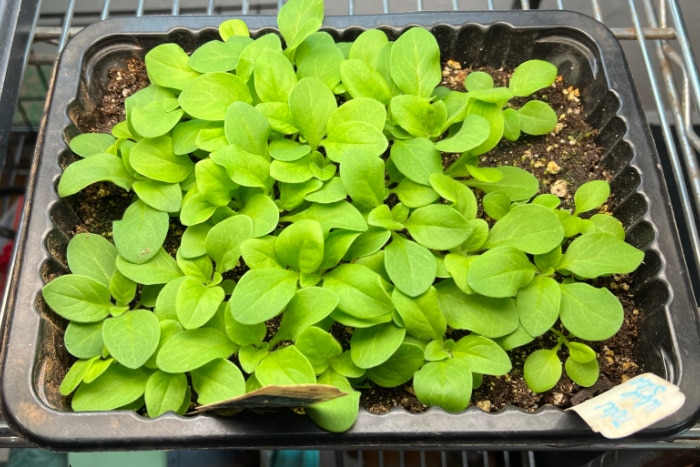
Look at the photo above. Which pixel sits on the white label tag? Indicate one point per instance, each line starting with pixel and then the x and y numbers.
pixel 631 406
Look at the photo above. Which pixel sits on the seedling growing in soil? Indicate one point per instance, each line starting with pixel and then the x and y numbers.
pixel 324 199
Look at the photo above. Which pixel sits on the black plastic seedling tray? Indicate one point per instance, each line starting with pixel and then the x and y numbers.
pixel 587 55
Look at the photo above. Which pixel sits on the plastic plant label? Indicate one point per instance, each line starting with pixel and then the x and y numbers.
pixel 631 406
pixel 274 397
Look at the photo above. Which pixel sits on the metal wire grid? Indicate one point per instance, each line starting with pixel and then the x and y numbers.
pixel 671 81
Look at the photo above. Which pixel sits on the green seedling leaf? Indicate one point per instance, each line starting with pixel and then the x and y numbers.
pixel 97 367
pixel 411 267
pixel 360 291
pixel 292 172
pixel 483 355
pixel 166 197
pixel 132 337
pixel 360 109
pixel 319 347
pixel 246 127
pixel 580 352
pixel 493 114
pixel 336 415
pixel 489 317
pixel 438 349
pixel 192 243
pixel 591 195
pixel 511 121
pixel 590 313
pixel 456 192
pixel 438 227
pixel 223 242
pixel 308 307
pixel 583 374
pixel 415 62
pixel 414 195
pixel 517 183
pixel 447 383
pixel 264 213
pixel 340 215
pixel 196 209
pixel 213 182
pixel 208 96
pixel 421 316
pixel 496 205
pixel 192 349
pixel 477 80
pixel 368 46
pixel 300 246
pixel 123 290
pixel 90 144
pixel 372 346
pixel 500 272
pixel 530 228
pixel 322 63
pixel 160 269
pixel 249 357
pixel 166 301
pixel 117 387
pixel 417 159
pixel 260 252
pixel 605 223
pixel 167 66
pixel 418 116
pixel 244 334
pixel 186 134
pixel 97 168
pixel 474 131
pixel 352 138
pixel 285 366
pixel 537 118
pixel 515 339
pixel 249 55
pixel 457 267
pixel 531 76
pixel 542 370
pixel 262 294
pixel 154 158
pixel 483 174
pixel 84 340
pixel 78 298
pixel 343 365
pixel 274 77
pixel 196 303
pixel 298 20
pixel 362 174
pixel 166 393
pixel 331 192
pixel 153 120
pixel 244 168
pixel 538 305
pixel 217 56
pixel 400 367
pixel 140 233
pixel 75 376
pixel 233 28
pixel 598 254
pixel 311 104
pixel 216 381
pixel 93 256
pixel 362 80
pixel 337 244
pixel 288 150
pixel 367 243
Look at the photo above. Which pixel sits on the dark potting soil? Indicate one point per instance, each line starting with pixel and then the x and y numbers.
pixel 562 161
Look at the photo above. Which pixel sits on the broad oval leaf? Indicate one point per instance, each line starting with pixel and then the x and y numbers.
pixel 417 159
pixel 538 305
pixel 483 355
pixel 90 144
pixel 446 383
pixel 599 253
pixel 542 370
pixel 474 131
pixel 167 66
pixel 362 174
pixel 311 104
pixel 285 366
pixel 218 380
pixel 500 272
pixel 246 127
pixel 160 269
pixel 438 227
pixel 140 233
pixel 530 228
pixel 117 387
pixel 360 291
pixel 223 241
pixel 298 20
pixel 196 303
pixel 421 316
pixel 261 294
pixel 362 80
pixel 537 118
pixel 166 393
pixel 97 168
pixel 415 62
pixel 93 256
pixel 590 313
pixel 84 340
pixel 274 76
pixel 591 195
pixel 192 349
pixel 400 367
pixel 531 76
pixel 208 96
pixel 319 347
pixel 374 345
pixel 154 158
pixel 132 337
pixel 78 298
pixel 300 246
pixel 309 306
pixel 411 267
pixel 583 374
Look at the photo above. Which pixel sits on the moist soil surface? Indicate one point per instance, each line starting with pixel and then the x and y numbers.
pixel 562 161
